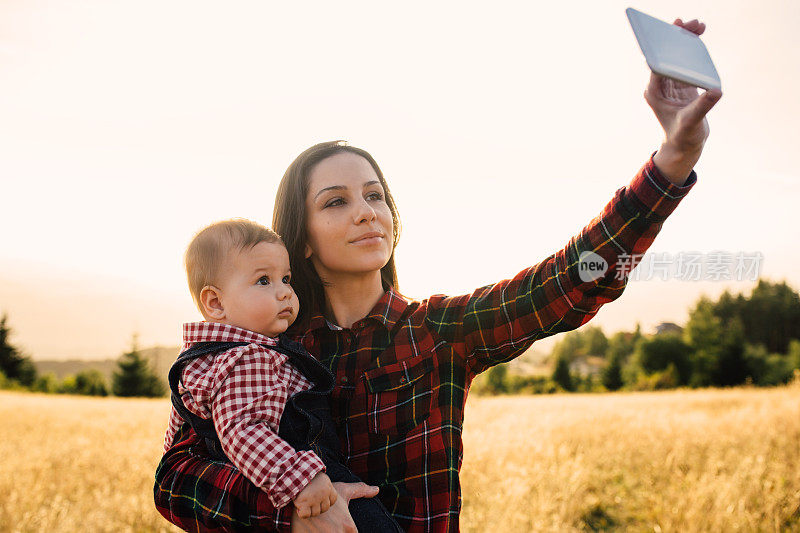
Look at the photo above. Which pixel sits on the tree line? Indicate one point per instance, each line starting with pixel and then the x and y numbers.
pixel 132 377
pixel 733 340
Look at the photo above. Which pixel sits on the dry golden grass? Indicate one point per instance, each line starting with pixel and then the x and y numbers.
pixel 669 461
pixel 710 460
pixel 80 464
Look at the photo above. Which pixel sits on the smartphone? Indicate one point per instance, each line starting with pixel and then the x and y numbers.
pixel 673 52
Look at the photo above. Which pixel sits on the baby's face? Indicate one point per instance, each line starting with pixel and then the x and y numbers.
pixel 255 290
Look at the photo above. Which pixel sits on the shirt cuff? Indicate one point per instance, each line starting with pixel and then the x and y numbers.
pixel 653 195
pixel 297 474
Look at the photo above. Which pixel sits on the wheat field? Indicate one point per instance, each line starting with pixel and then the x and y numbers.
pixel 707 460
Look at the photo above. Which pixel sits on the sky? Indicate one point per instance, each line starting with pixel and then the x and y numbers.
pixel 503 128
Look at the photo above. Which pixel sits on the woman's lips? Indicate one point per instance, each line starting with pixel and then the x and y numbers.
pixel 372 237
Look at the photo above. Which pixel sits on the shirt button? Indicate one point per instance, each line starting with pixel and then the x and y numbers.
pixel 403 379
pixel 345 381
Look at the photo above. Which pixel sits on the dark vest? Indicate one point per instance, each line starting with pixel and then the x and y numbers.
pixel 307 422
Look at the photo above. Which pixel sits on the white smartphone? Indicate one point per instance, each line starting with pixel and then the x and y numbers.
pixel 673 52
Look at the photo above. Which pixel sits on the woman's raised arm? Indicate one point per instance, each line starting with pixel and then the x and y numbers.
pixel 564 291
pixel 498 322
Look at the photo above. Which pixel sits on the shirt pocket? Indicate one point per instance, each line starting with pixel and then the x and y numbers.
pixel 399 395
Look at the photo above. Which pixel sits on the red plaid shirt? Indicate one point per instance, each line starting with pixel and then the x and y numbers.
pixel 244 390
pixel 403 372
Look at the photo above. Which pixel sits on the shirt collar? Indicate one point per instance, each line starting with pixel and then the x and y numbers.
pixel 194 332
pixel 387 311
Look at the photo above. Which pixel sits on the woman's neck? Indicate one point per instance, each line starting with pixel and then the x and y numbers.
pixel 348 299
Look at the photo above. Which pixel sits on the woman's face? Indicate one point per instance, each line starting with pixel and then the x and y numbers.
pixel 348 222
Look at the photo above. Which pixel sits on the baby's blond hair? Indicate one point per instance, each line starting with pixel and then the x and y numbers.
pixel 206 253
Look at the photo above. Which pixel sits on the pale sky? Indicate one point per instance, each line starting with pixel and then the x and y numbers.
pixel 503 128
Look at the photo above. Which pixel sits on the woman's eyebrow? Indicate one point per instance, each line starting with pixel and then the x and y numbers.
pixel 343 188
pixel 331 188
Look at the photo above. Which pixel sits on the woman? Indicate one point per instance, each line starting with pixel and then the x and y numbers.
pixel 403 368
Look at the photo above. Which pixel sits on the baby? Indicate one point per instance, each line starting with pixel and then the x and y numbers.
pixel 237 372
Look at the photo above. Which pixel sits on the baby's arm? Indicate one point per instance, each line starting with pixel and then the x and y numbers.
pixel 246 405
pixel 316 498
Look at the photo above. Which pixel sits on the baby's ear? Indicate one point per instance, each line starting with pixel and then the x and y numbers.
pixel 211 303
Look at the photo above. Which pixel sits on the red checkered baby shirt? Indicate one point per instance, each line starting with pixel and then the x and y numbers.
pixel 244 390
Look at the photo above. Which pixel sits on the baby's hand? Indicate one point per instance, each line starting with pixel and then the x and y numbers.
pixel 316 498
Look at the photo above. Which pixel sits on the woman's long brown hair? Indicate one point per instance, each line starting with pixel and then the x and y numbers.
pixel 289 221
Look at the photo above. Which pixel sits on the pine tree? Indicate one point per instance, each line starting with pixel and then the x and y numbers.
pixel 134 377
pixel 13 364
pixel 612 374
pixel 561 374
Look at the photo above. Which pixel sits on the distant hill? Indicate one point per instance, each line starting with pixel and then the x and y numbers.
pixel 160 357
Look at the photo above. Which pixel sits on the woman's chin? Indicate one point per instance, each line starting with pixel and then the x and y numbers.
pixel 367 262
pixel 366 267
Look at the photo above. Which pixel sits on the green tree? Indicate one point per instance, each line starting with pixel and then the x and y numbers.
pixel 91 383
pixel 46 383
pixel 612 374
pixel 134 376
pixel 769 316
pixel 13 364
pixel 68 385
pixel 637 334
pixel 657 353
pixel 794 354
pixel 731 368
pixel 718 344
pixel 703 332
pixel 561 374
pixel 664 379
pixel 496 379
pixel 621 345
pixel 595 341
pixel 569 347
pixel 768 368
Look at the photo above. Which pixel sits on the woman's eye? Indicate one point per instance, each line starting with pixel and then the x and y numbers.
pixel 334 202
pixel 263 280
pixel 287 279
pixel 375 196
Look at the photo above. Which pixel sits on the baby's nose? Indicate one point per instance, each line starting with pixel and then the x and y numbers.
pixel 284 292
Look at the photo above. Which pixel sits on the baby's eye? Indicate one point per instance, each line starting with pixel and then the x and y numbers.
pixel 263 280
pixel 287 279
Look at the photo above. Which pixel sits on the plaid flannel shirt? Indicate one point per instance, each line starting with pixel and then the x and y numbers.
pixel 244 390
pixel 403 372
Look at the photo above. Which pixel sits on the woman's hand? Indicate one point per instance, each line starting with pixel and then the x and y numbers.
pixel 681 110
pixel 337 519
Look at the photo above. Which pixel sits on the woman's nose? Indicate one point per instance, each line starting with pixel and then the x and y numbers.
pixel 364 213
